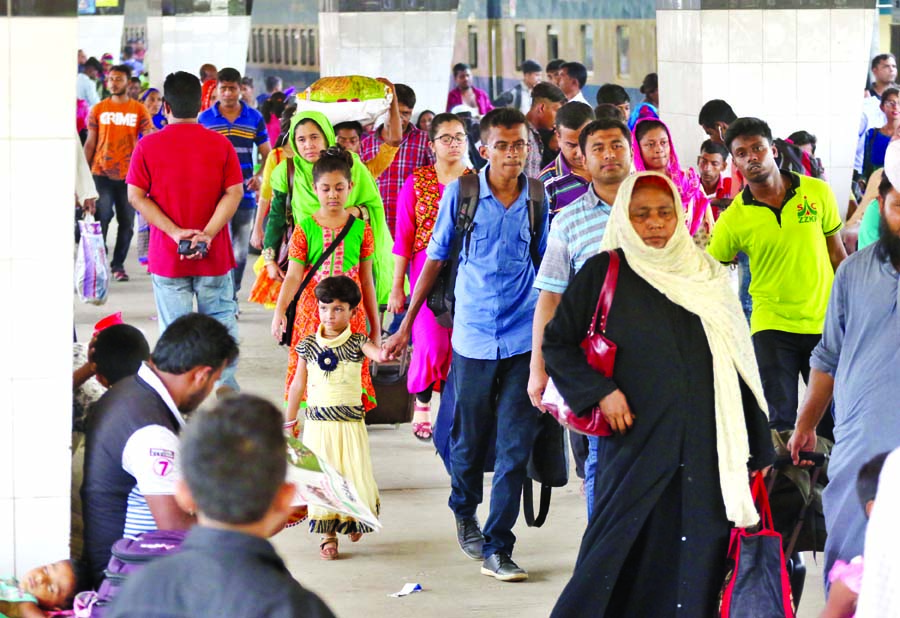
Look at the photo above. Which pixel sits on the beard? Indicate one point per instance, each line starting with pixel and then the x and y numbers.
pixel 888 243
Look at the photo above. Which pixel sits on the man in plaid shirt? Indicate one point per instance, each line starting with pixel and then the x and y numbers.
pixel 414 152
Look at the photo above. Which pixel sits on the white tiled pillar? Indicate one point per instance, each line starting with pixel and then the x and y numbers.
pixel 188 41
pixel 99 34
pixel 412 48
pixel 794 68
pixel 37 179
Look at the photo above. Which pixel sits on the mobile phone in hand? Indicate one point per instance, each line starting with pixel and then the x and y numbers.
pixel 185 248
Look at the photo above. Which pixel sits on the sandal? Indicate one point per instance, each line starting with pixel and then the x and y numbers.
pixel 355 536
pixel 328 548
pixel 422 431
pixel 120 275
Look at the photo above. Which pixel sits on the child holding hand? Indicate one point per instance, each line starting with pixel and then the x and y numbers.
pixel 329 371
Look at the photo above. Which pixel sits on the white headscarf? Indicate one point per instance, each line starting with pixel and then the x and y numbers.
pixel 692 279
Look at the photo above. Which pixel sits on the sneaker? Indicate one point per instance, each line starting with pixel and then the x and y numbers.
pixel 501 566
pixel 470 538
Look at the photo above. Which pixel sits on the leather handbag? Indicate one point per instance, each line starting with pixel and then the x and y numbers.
pixel 284 249
pixel 601 356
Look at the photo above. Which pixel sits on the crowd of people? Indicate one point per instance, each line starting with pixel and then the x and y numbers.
pixel 733 284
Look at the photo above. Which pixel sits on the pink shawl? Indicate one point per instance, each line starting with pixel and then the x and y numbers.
pixel 693 198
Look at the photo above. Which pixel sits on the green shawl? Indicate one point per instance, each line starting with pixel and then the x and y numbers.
pixel 304 202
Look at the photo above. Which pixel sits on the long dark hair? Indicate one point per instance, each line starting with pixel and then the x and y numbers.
pixel 273 106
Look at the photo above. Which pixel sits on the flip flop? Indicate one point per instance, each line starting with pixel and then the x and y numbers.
pixel 328 548
pixel 422 431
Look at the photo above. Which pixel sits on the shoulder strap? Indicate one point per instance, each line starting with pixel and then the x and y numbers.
pixel 607 293
pixel 325 255
pixel 289 212
pixel 469 188
pixel 528 504
pixel 535 218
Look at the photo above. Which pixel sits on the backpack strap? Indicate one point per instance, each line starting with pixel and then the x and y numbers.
pixel 469 188
pixel 535 219
pixel 528 504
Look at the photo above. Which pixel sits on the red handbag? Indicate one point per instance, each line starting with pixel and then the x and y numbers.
pixel 601 356
pixel 756 581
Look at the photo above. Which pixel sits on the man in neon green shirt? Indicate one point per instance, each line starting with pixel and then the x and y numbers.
pixel 788 225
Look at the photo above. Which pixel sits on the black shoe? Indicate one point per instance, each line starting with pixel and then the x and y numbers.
pixel 500 566
pixel 470 538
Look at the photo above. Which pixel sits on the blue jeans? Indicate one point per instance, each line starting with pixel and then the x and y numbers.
pixel 489 393
pixel 114 200
pixel 215 298
pixel 590 473
pixel 744 279
pixel 241 227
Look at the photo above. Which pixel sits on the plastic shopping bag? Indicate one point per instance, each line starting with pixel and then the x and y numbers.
pixel 91 266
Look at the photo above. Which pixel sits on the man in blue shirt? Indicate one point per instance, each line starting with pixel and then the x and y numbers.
pixel 245 128
pixel 495 303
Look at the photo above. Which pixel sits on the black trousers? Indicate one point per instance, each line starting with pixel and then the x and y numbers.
pixel 113 200
pixel 783 359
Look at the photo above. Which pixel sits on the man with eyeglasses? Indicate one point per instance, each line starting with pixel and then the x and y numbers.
pixel 495 303
pixel 413 152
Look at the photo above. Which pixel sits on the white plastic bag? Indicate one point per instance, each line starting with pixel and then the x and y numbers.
pixel 91 267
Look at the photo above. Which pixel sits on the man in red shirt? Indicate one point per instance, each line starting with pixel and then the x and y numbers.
pixel 187 183
pixel 466 94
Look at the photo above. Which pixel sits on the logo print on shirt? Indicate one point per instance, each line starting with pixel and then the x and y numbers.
pixel 163 466
pixel 806 212
pixel 119 119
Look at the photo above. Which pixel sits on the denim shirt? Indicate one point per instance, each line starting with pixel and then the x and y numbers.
pixel 495 294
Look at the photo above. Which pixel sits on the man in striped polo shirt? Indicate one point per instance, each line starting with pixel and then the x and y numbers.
pixel 575 236
pixel 567 179
pixel 245 129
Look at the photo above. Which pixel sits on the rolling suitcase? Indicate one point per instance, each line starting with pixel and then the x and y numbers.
pixel 395 404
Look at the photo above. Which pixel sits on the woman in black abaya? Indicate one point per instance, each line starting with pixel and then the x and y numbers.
pixel 687 410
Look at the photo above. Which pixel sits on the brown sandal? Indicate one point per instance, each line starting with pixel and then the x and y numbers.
pixel 328 548
pixel 355 536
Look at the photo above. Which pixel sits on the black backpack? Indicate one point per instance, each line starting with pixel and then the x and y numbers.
pixel 791 158
pixel 442 297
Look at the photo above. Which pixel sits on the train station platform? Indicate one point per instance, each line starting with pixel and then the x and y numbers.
pixel 418 541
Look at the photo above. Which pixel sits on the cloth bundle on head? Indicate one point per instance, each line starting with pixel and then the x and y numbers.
pixel 347 98
pixel 692 279
pixel 690 188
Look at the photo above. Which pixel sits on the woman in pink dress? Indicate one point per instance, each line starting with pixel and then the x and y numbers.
pixel 417 209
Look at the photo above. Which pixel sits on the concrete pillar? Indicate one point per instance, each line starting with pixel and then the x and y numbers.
pixel 413 47
pixel 37 179
pixel 796 68
pixel 188 40
pixel 99 34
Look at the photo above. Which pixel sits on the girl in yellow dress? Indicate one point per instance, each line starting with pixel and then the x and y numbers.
pixel 329 371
